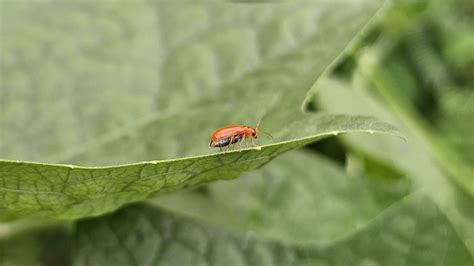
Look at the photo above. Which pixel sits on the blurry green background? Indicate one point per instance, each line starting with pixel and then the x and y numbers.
pixel 412 67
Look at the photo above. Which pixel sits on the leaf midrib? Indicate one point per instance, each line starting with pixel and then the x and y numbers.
pixel 315 136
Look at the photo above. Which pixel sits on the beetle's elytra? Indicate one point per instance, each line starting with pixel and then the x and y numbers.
pixel 228 135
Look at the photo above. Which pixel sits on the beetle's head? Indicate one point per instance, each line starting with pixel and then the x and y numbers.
pixel 255 132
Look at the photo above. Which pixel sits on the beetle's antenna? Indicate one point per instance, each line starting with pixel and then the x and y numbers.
pixel 258 125
pixel 260 120
pixel 268 134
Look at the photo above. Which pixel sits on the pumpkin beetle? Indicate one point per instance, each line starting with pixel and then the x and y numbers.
pixel 225 136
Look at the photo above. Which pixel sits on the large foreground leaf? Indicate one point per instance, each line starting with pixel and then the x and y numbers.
pixel 68 191
pixel 143 235
pixel 150 81
pixel 110 83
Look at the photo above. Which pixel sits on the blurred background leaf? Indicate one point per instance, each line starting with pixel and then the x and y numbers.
pixel 412 161
pixel 46 245
pixel 144 235
pixel 300 197
pixel 402 74
pixel 159 66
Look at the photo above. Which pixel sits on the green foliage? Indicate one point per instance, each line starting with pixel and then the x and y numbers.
pixel 406 77
pixel 273 201
pixel 413 160
pixel 455 120
pixel 142 235
pixel 70 192
pixel 107 104
pixel 48 246
pixel 210 64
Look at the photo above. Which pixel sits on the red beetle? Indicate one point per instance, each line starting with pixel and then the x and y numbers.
pixel 225 136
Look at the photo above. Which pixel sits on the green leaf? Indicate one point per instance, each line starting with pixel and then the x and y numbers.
pixel 67 191
pixel 141 235
pixel 47 246
pixel 455 120
pixel 411 158
pixel 169 74
pixel 448 159
pixel 100 78
pixel 290 199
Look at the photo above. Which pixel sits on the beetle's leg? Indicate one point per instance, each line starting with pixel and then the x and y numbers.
pixel 230 143
pixel 210 143
pixel 243 140
pixel 225 148
pixel 236 139
pixel 253 142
